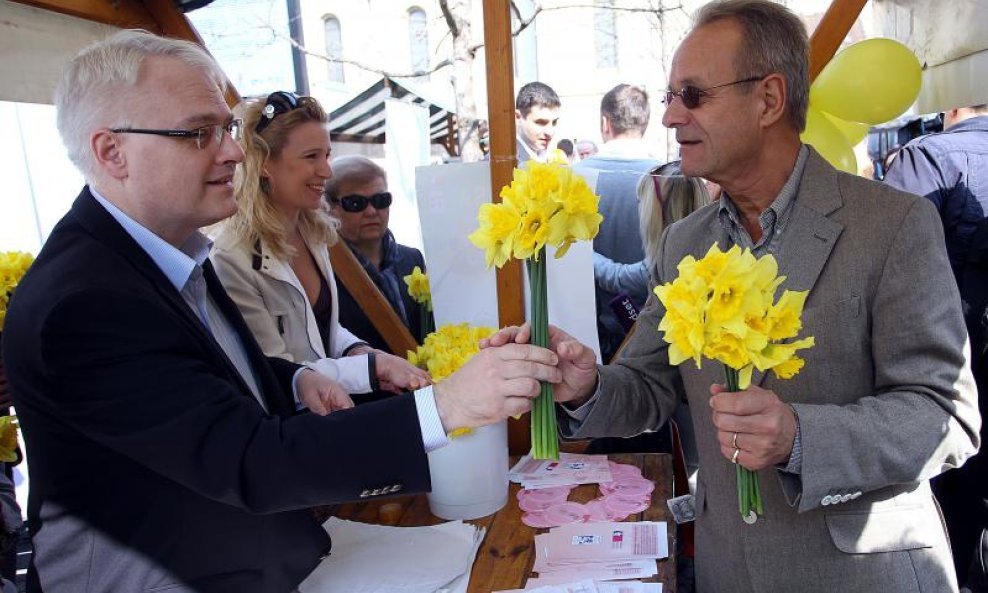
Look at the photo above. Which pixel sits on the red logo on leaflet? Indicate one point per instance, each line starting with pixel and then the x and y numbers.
pixel 552 466
pixel 617 539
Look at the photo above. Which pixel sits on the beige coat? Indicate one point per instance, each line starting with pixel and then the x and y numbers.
pixel 886 400
pixel 273 303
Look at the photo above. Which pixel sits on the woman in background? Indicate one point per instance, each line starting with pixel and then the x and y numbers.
pixel 664 196
pixel 272 255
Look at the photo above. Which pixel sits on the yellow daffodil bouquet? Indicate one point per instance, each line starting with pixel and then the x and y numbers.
pixel 723 307
pixel 418 288
pixel 446 350
pixel 545 204
pixel 13 266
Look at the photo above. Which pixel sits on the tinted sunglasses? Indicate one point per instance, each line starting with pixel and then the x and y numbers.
pixel 277 103
pixel 690 95
pixel 358 203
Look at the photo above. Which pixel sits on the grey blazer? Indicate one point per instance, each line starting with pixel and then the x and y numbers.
pixel 886 400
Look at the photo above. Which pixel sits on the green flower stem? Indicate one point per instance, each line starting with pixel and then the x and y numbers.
pixel 749 494
pixel 545 436
pixel 426 325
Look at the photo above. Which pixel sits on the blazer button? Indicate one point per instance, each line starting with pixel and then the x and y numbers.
pixel 826 500
pixel 845 497
pixel 855 495
pixel 396 488
pixel 365 494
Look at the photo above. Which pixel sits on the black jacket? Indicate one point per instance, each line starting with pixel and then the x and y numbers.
pixel 396 263
pixel 150 462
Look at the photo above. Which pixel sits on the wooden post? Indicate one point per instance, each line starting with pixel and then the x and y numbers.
pixel 501 115
pixel 831 32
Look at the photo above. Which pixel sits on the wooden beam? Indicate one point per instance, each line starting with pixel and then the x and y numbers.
pixel 831 32
pixel 127 14
pixel 378 309
pixel 501 118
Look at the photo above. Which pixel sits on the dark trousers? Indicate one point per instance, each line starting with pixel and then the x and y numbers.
pixel 964 500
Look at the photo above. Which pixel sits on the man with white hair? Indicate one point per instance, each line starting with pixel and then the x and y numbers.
pixel 165 452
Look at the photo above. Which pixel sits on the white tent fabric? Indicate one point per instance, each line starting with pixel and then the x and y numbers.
pixel 405 149
pixel 36 45
pixel 362 119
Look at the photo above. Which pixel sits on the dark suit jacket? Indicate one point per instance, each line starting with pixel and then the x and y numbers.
pixel 152 467
pixel 398 262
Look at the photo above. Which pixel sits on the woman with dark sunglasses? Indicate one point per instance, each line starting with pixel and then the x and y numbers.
pixel 272 255
pixel 358 197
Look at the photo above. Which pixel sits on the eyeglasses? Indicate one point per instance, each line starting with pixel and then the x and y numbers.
pixel 690 95
pixel 204 136
pixel 277 103
pixel 358 203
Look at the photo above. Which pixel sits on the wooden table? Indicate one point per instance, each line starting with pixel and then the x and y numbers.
pixel 507 553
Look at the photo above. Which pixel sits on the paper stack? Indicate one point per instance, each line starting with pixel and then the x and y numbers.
pixel 374 558
pixel 600 551
pixel 590 586
pixel 570 470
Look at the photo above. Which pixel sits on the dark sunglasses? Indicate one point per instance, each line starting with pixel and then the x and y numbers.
pixel 277 103
pixel 358 203
pixel 690 95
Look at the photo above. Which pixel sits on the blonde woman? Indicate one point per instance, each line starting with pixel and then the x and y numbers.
pixel 272 255
pixel 664 196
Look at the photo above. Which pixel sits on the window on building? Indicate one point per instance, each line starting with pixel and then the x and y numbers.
pixel 418 39
pixel 605 34
pixel 334 47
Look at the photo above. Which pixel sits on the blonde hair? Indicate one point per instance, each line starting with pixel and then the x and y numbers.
pixel 665 195
pixel 256 218
pixel 93 92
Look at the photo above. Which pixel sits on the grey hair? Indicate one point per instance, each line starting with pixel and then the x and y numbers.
pixel 680 197
pixel 87 97
pixel 773 40
pixel 352 169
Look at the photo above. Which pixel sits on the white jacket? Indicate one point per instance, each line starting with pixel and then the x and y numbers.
pixel 273 302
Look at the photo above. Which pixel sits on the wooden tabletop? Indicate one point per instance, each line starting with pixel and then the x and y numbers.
pixel 507 553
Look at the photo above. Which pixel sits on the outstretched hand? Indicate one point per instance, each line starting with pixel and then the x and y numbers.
pixel 496 383
pixel 397 374
pixel 577 362
pixel 320 394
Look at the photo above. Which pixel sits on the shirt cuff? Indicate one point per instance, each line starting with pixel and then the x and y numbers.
pixel 298 400
pixel 580 413
pixel 795 465
pixel 433 434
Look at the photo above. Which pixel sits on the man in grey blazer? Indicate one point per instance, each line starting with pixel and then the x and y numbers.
pixel 886 399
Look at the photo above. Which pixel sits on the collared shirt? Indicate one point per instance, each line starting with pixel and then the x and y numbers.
pixel 773 220
pixel 625 149
pixel 183 268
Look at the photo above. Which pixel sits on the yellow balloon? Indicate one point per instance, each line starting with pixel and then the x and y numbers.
pixel 829 142
pixel 872 81
pixel 853 131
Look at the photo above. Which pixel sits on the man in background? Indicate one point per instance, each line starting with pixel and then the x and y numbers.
pixel 536 117
pixel 950 169
pixel 619 165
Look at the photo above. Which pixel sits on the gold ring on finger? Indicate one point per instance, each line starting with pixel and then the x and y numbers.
pixel 734 441
pixel 734 458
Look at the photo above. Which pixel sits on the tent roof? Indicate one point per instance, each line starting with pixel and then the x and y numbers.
pixel 361 119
